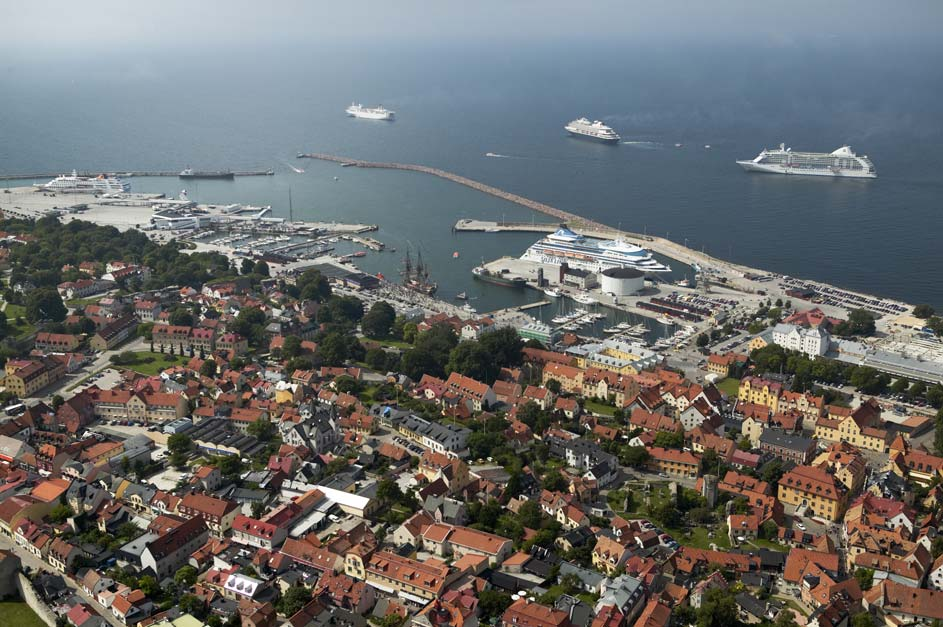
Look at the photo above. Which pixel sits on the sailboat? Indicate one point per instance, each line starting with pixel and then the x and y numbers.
pixel 461 296
pixel 416 277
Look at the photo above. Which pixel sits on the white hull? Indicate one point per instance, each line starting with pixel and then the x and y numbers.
pixel 597 265
pixel 751 166
pixel 366 113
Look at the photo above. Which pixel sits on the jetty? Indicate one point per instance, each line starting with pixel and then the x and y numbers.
pixel 124 174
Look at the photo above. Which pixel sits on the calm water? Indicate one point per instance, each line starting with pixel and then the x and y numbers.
pixel 257 110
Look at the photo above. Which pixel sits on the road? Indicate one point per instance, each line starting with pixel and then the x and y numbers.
pixel 34 563
pixel 74 382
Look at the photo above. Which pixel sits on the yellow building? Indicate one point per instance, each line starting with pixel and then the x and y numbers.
pixel 674 462
pixel 816 489
pixel 760 391
pixel 856 428
pixel 570 378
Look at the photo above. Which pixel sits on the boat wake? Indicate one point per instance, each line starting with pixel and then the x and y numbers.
pixel 645 145
pixel 294 169
pixel 497 156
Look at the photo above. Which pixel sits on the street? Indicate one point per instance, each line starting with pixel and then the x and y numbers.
pixel 31 561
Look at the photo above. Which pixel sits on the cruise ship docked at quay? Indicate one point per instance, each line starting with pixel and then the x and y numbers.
pixel 75 184
pixel 592 130
pixel 596 255
pixel 367 113
pixel 841 162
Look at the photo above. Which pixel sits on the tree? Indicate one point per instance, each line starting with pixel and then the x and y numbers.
pixel 291 347
pixel 293 600
pixel 554 481
pixel 314 286
pixel 246 266
pixel 865 578
pixel 61 513
pixel 473 360
pixel 376 359
pixel 769 529
pixel 860 322
pixel 181 316
pixel 505 346
pixel 378 322
pixel 635 456
pixel 672 439
pixel 45 304
pixel 530 514
pixel 900 386
pixel 208 368
pixel 261 268
pixel 786 618
pixel 718 609
pixel 938 436
pixel 149 585
pixel 341 310
pixel 703 340
pixel 388 491
pixel 179 443
pixel 263 430
pixel 924 311
pixel 333 348
pixel 57 401
pixel 862 619
pixel 917 390
pixel 192 604
pixel 553 385
pixel 492 604
pixel 186 576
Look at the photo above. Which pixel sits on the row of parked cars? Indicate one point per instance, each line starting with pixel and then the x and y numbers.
pixel 664 538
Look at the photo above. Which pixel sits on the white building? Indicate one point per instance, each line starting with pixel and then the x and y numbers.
pixel 812 342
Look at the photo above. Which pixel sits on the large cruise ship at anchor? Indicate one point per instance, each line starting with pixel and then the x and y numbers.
pixel 592 130
pixel 841 162
pixel 76 184
pixel 367 113
pixel 596 255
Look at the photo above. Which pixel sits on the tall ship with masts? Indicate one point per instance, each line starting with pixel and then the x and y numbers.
pixel 416 277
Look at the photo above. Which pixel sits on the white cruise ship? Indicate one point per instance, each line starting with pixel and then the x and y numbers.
pixel 841 162
pixel 377 113
pixel 593 130
pixel 596 255
pixel 76 184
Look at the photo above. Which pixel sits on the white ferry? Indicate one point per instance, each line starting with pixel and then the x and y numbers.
pixel 577 251
pixel 582 127
pixel 841 162
pixel 376 113
pixel 76 184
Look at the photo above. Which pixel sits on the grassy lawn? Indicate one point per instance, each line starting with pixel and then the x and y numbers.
pixel 390 343
pixel 18 330
pixel 768 544
pixel 697 537
pixel 730 387
pixel 18 613
pixel 149 363
pixel 599 408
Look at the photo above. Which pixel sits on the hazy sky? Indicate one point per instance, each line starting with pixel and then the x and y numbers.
pixel 45 25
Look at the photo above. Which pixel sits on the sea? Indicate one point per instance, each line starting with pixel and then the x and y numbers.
pixel 496 114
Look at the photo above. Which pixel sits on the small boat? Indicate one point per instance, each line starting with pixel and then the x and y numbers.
pixel 461 296
pixel 611 330
pixel 359 253
pixel 707 146
pixel 468 308
pixel 678 145
pixel 455 255
pixel 583 299
pixel 336 178
pixel 552 293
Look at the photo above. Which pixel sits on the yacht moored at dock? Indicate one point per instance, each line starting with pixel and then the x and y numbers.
pixel 582 127
pixel 842 162
pixel 367 113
